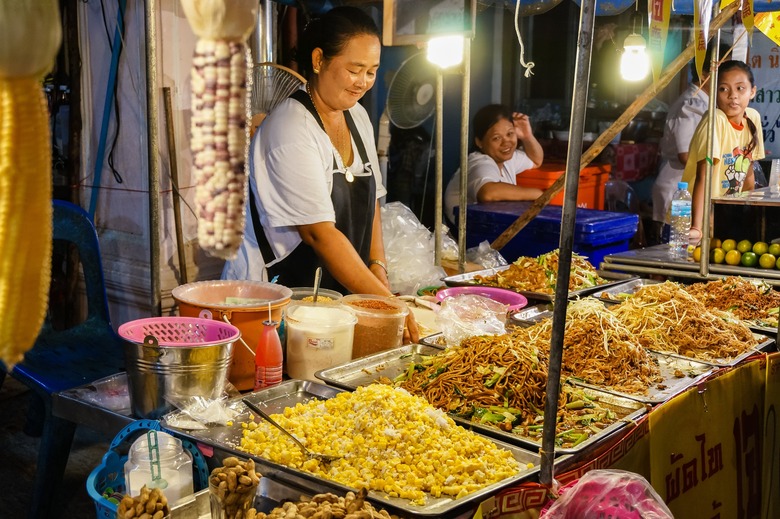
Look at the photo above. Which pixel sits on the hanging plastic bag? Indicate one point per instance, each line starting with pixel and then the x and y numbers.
pixel 485 256
pixel 616 494
pixel 409 249
pixel 465 316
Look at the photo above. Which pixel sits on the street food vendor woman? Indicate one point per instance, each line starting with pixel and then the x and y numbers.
pixel 314 173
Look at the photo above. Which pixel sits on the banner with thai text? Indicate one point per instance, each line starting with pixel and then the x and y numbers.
pixel 708 440
pixel 659 26
pixel 764 60
pixel 769 24
pixel 702 13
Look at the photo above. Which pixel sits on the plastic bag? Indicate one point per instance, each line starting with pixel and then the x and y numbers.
pixel 465 316
pixel 409 249
pixel 198 412
pixel 616 494
pixel 485 256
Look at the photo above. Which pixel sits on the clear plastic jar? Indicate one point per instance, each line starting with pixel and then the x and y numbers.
pixel 175 465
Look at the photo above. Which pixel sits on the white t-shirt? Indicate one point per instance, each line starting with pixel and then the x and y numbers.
pixel 291 176
pixel 483 170
pixel 681 121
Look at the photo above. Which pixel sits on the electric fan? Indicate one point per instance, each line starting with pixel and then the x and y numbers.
pixel 411 95
pixel 271 84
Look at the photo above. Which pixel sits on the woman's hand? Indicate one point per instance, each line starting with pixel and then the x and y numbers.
pixel 411 331
pixel 694 236
pixel 522 126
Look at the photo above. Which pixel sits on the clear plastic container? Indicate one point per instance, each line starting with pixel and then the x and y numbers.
pixel 380 323
pixel 175 465
pixel 323 295
pixel 318 337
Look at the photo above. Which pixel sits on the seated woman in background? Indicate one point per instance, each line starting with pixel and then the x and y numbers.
pixel 494 165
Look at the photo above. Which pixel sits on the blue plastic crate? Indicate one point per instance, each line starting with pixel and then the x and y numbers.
pixel 110 474
pixel 596 233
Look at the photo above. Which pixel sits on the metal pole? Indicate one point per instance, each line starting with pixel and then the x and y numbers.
pixel 576 127
pixel 151 10
pixel 704 261
pixel 169 133
pixel 439 167
pixel 262 39
pixel 464 154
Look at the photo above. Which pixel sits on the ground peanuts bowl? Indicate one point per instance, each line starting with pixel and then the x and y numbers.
pixel 380 324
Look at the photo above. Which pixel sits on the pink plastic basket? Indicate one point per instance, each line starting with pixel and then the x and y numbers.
pixel 179 331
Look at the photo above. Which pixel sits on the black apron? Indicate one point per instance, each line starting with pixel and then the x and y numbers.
pixel 354 204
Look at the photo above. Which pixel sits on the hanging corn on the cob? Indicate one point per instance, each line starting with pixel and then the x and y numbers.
pixel 220 137
pixel 30 33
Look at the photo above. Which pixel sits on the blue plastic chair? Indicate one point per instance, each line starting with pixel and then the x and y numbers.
pixel 64 359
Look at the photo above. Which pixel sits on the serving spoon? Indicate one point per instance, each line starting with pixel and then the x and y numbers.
pixel 309 454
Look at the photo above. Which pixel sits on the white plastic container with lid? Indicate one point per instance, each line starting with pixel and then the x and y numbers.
pixel 319 336
pixel 175 466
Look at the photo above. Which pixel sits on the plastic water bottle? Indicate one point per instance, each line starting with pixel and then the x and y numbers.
pixel 268 357
pixel 680 222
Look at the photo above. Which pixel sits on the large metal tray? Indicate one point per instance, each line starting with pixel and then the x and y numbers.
pixel 765 344
pixel 467 279
pixel 671 366
pixel 618 292
pixel 392 363
pixel 292 392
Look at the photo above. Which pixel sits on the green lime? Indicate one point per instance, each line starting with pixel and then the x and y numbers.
pixel 774 249
pixel 733 257
pixel 729 245
pixel 749 259
pixel 715 243
pixel 744 246
pixel 717 255
pixel 760 248
pixel 767 261
pixel 777 265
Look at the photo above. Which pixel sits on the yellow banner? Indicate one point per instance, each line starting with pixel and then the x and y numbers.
pixel 709 440
pixel 659 11
pixel 702 13
pixel 771 475
pixel 769 24
pixel 747 18
pixel 724 3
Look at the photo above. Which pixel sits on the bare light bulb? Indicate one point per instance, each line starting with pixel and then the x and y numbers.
pixel 445 51
pixel 635 63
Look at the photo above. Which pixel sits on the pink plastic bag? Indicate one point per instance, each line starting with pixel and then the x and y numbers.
pixel 608 494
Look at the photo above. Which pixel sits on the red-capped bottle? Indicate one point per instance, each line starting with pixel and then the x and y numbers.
pixel 268 357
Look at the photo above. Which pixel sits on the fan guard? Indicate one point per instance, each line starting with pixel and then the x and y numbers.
pixel 411 95
pixel 271 84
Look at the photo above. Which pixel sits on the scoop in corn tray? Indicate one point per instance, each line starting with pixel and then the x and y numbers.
pixel 220 134
pixel 25 171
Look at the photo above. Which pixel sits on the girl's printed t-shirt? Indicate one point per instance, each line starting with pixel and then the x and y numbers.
pixel 733 162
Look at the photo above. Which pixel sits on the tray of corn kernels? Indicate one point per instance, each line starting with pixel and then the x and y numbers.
pixel 587 416
pixel 413 459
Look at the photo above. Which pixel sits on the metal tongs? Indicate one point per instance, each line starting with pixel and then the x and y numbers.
pixel 324 458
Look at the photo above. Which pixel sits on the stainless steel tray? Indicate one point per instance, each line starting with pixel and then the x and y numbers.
pixel 692 371
pixel 392 363
pixel 467 279
pixel 291 392
pixel 532 314
pixel 765 344
pixel 616 293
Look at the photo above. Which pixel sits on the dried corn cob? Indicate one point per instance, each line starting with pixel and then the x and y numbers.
pixel 220 137
pixel 25 171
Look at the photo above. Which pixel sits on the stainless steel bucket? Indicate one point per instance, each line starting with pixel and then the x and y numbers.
pixel 161 375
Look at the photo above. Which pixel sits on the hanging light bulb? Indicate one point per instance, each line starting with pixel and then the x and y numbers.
pixel 635 63
pixel 445 51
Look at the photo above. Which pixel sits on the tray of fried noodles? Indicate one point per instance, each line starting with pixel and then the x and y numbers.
pixel 535 278
pixel 495 386
pixel 754 301
pixel 667 319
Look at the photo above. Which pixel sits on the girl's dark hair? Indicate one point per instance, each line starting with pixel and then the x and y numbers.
pixel 487 116
pixel 736 64
pixel 331 32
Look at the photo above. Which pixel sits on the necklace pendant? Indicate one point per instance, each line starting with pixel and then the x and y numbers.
pixel 349 175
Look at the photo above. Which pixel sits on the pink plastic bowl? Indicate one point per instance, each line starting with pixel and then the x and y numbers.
pixel 507 297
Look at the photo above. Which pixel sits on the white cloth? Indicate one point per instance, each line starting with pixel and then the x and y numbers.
pixel 291 176
pixel 681 121
pixel 483 170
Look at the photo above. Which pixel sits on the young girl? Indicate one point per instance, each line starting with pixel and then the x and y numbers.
pixel 737 142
